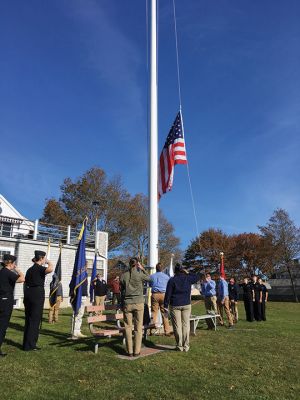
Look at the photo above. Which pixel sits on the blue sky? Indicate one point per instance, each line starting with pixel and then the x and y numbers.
pixel 73 94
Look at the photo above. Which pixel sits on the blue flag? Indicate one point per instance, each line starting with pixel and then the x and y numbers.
pixel 56 285
pixel 79 276
pixel 93 279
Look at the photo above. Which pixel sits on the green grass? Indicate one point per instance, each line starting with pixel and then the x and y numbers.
pixel 254 361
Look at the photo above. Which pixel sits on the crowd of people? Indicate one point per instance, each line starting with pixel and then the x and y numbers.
pixel 169 296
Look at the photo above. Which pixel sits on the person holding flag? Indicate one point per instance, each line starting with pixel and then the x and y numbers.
pixel 93 280
pixel 56 292
pixel 78 285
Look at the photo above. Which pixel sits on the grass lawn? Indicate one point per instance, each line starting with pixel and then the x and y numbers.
pixel 254 361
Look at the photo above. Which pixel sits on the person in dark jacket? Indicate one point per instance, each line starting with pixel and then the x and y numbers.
pixel 248 296
pixel 257 300
pixel 9 276
pixel 264 299
pixel 233 291
pixel 34 297
pixel 178 297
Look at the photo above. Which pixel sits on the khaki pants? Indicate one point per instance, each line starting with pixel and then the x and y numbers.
pixel 157 303
pixel 226 307
pixel 99 301
pixel 211 305
pixel 180 316
pixel 234 310
pixel 133 316
pixel 77 319
pixel 53 311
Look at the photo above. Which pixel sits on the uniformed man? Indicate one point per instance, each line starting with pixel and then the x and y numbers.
pixel 265 295
pixel 257 299
pixel 34 297
pixel 248 296
pixel 9 276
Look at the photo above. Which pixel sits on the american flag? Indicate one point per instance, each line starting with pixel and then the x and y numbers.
pixel 173 153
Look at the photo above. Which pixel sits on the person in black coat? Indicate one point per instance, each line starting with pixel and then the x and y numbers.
pixel 248 296
pixel 257 300
pixel 34 297
pixel 264 299
pixel 9 276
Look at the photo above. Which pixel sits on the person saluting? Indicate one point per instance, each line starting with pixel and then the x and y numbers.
pixel 34 297
pixel 9 276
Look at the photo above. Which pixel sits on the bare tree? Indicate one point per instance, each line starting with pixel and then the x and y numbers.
pixel 284 236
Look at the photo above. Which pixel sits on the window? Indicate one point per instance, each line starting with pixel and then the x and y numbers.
pixel 2 252
pixel 5 229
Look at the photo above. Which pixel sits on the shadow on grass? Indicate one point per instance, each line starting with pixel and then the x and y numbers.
pixel 13 343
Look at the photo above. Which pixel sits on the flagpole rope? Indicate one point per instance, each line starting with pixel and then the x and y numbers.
pixel 147 76
pixel 180 108
pixel 190 184
pixel 177 56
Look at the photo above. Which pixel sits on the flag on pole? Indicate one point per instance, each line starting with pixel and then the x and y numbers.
pixel 47 278
pixel 79 276
pixel 222 268
pixel 172 153
pixel 56 285
pixel 93 279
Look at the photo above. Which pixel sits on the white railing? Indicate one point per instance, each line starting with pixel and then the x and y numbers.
pixel 41 231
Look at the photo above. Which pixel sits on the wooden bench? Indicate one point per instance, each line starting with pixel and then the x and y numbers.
pixel 109 314
pixel 194 321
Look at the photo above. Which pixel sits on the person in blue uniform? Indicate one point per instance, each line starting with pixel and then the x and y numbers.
pixel 265 295
pixel 9 276
pixel 248 296
pixel 34 297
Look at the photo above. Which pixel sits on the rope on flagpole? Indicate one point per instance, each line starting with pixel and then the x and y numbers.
pixel 180 108
pixel 177 55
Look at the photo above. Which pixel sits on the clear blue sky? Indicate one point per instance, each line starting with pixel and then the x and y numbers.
pixel 73 94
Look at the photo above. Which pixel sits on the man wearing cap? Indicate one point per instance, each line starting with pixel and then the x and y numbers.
pixel 9 276
pixel 34 297
pixel 132 285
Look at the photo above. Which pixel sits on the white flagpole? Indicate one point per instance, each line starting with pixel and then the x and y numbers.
pixel 171 269
pixel 153 160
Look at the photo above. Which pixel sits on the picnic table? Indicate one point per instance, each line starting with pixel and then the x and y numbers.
pixel 195 319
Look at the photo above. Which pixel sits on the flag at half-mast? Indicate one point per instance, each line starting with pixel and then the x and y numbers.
pixel 93 279
pixel 79 276
pixel 56 285
pixel 172 153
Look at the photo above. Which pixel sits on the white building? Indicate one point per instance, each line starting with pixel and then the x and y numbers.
pixel 21 237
